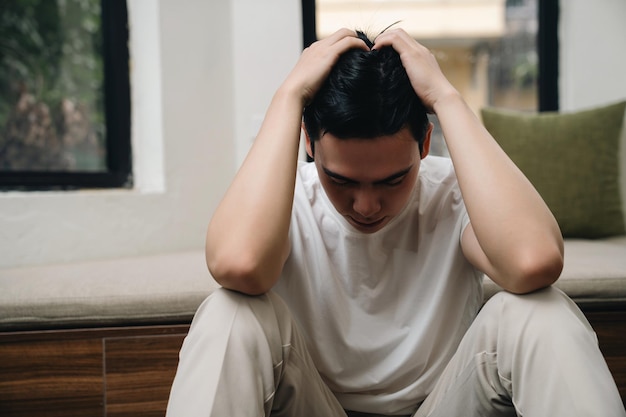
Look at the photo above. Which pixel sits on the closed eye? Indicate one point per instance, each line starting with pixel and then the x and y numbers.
pixel 391 181
pixel 338 181
pixel 395 179
pixel 394 182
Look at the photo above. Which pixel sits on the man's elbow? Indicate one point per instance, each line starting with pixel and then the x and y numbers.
pixel 537 272
pixel 240 275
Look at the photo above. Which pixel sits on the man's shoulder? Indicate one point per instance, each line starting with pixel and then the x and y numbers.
pixel 437 169
pixel 308 189
pixel 306 170
pixel 306 176
pixel 302 164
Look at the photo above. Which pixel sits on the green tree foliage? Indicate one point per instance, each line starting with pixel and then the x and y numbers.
pixel 51 84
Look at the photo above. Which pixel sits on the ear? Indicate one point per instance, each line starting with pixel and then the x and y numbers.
pixel 309 147
pixel 426 144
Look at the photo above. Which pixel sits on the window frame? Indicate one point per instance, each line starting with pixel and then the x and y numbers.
pixel 117 118
pixel 548 55
pixel 547 48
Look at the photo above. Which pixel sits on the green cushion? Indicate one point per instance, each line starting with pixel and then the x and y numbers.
pixel 573 161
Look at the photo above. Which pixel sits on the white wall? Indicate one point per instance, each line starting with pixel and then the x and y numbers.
pixel 201 71
pixel 203 74
pixel 592 37
pixel 267 39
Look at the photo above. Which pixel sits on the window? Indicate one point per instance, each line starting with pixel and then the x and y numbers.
pixel 64 95
pixel 496 52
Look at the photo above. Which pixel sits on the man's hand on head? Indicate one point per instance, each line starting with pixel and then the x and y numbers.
pixel 421 66
pixel 317 60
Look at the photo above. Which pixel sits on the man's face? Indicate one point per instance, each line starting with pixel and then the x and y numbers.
pixel 369 181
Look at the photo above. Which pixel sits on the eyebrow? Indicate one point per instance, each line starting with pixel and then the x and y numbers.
pixel 384 180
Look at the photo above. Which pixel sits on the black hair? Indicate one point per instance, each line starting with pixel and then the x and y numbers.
pixel 367 94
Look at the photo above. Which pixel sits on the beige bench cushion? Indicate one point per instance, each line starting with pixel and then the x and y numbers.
pixel 168 288
pixel 153 289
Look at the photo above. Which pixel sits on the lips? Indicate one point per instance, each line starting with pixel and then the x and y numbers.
pixel 367 226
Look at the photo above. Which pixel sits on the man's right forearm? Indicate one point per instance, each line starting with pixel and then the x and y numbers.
pixel 247 238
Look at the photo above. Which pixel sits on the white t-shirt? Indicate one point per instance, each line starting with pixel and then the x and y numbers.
pixel 381 313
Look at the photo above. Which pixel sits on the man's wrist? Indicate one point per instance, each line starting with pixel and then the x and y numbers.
pixel 292 95
pixel 450 98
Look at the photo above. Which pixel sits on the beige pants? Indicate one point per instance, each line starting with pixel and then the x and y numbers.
pixel 533 355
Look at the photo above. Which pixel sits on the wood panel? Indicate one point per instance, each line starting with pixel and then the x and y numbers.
pixel 139 372
pixel 51 378
pixel 51 373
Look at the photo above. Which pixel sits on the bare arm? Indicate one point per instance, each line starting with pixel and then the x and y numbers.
pixel 513 237
pixel 247 238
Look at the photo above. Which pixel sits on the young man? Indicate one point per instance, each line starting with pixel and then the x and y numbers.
pixel 351 285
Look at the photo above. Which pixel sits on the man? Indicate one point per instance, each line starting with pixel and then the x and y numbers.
pixel 352 284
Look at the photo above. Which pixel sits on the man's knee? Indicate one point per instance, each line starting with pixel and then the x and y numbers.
pixel 548 300
pixel 248 320
pixel 544 313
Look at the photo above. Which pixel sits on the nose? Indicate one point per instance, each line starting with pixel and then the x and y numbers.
pixel 366 203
